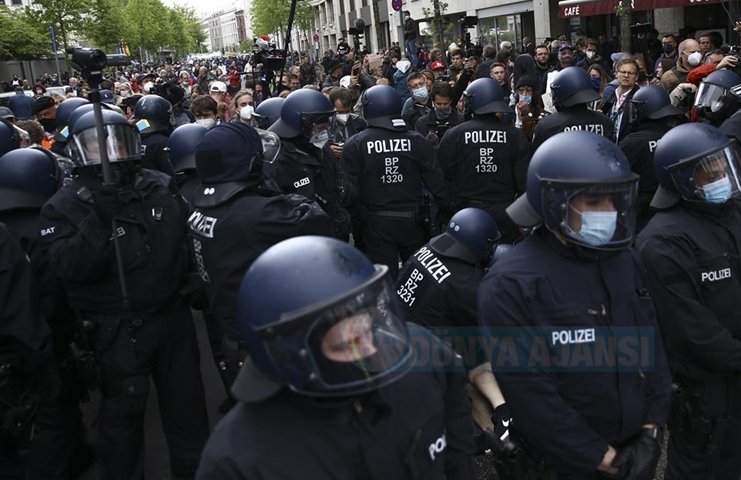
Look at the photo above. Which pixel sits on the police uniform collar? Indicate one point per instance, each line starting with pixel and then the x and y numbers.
pixel 213 194
pixel 294 149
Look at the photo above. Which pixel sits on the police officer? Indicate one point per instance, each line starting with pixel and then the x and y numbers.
pixel 22 356
pixel 152 115
pixel 388 167
pixel 437 288
pixel 651 115
pixel 572 91
pixel 300 167
pixel 331 378
pixel 148 330
pixel 181 155
pixel 485 159
pixel 732 125
pixel 237 217
pixel 715 102
pixel 690 249
pixel 28 178
pixel 10 138
pixel 573 292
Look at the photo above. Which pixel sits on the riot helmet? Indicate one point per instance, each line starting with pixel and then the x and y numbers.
pixel 153 113
pixel 181 146
pixel 715 100
pixel 122 141
pixel 268 112
pixel 484 96
pixel 470 236
pixel 304 113
pixel 572 86
pixel 653 103
pixel 695 162
pixel 10 138
pixel 64 112
pixel 580 186
pixel 335 336
pixel 382 107
pixel 28 178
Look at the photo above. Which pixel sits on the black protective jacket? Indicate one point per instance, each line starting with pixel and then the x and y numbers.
pixel 576 118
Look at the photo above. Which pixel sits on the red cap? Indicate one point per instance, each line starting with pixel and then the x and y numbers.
pixel 436 65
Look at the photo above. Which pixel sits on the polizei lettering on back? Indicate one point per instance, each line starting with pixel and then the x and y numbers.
pixel 592 127
pixel 200 223
pixel 715 275
pixel 432 264
pixel 389 145
pixel 485 136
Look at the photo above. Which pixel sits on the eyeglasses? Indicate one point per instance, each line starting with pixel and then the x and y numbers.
pixel 630 74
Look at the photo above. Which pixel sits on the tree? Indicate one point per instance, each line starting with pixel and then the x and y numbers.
pixel 22 37
pixel 271 16
pixel 106 25
pixel 148 24
pixel 69 16
pixel 440 24
pixel 624 11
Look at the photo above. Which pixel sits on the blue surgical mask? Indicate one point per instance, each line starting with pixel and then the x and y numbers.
pixel 667 47
pixel 526 98
pixel 718 191
pixel 420 94
pixel 598 228
pixel 595 83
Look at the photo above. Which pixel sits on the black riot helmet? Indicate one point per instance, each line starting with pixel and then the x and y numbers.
pixel 484 96
pixel 653 103
pixel 153 113
pixel 122 141
pixel 302 113
pixel 64 112
pixel 10 139
pixel 715 100
pixel 572 86
pixel 382 107
pixel 335 336
pixel 268 112
pixel 181 146
pixel 28 178
pixel 470 236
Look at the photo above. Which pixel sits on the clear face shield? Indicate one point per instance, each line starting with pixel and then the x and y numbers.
pixel 315 126
pixel 352 345
pixel 270 145
pixel 122 143
pixel 711 98
pixel 712 177
pixel 636 112
pixel 596 215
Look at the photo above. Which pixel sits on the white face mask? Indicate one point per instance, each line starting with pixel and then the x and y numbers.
pixel 319 139
pixel 342 118
pixel 590 54
pixel 125 93
pixel 245 113
pixel 694 59
pixel 206 122
pixel 147 87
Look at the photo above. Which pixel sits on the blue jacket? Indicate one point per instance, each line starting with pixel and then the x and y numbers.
pixel 22 106
pixel 400 84
pixel 579 358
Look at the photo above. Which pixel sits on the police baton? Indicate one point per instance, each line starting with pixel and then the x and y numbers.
pixel 90 63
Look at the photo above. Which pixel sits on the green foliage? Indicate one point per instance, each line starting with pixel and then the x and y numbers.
pixel 106 25
pixel 245 45
pixel 271 16
pixel 440 27
pixel 22 37
pixel 69 16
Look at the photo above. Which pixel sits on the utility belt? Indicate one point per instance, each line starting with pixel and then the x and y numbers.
pixel 706 409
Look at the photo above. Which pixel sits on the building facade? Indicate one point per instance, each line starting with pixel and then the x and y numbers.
pixel 226 29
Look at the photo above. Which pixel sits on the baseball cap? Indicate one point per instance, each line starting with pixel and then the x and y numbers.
pixel 106 96
pixel 437 65
pixel 218 87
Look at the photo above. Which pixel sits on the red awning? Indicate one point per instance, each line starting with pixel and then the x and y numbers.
pixel 585 8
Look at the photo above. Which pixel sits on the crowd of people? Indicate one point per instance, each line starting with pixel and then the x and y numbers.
pixel 403 260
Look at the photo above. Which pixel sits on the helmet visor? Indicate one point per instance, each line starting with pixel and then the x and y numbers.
pixel 122 143
pixel 311 122
pixel 710 97
pixel 711 177
pixel 600 215
pixel 270 145
pixel 354 345
pixel 636 112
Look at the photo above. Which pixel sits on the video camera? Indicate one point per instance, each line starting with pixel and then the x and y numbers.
pixel 92 60
pixel 357 33
pixel 734 50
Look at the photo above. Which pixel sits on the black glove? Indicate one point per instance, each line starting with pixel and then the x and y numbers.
pixel 107 202
pixel 499 439
pixel 639 457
